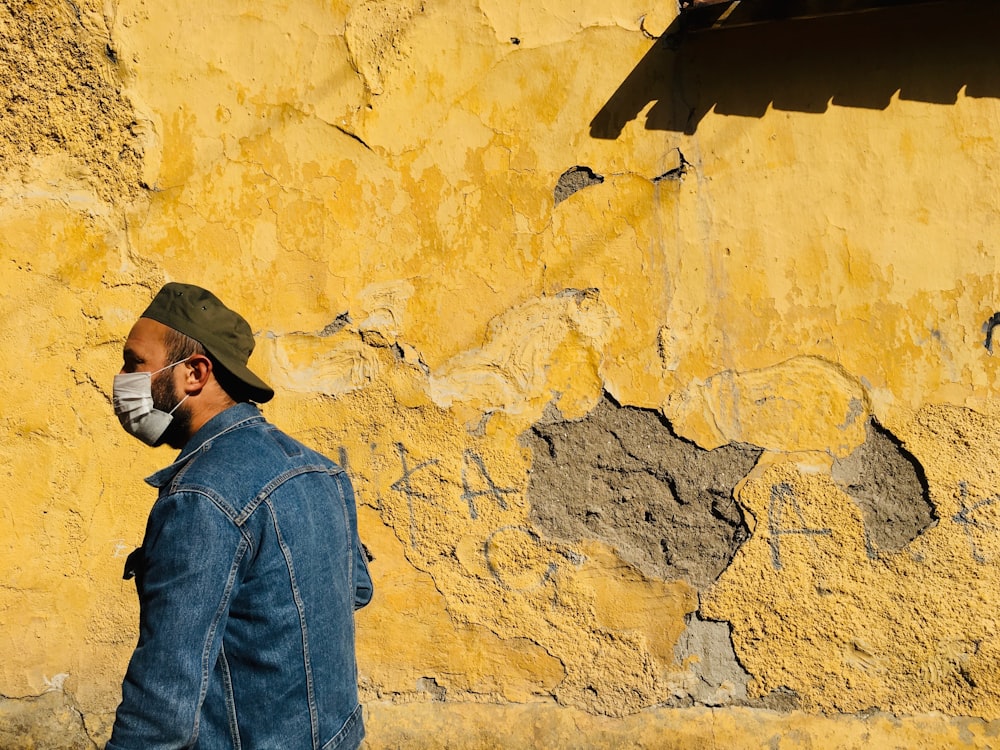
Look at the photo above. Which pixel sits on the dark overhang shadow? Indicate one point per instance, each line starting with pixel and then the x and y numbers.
pixel 925 51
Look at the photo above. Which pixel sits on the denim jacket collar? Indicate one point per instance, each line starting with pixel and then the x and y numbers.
pixel 232 418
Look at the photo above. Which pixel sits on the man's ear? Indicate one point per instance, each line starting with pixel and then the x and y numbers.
pixel 197 373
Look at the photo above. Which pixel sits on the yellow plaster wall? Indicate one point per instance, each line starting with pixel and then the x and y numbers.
pixel 371 183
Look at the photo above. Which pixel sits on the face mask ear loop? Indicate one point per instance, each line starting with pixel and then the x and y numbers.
pixel 179 403
pixel 167 368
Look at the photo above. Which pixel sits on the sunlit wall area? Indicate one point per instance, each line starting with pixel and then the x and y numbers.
pixel 658 345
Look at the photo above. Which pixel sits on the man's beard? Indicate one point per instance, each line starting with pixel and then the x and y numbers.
pixel 165 398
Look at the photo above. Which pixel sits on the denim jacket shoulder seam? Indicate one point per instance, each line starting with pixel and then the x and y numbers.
pixel 266 491
pixel 207 492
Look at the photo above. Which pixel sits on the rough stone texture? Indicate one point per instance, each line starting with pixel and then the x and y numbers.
pixel 62 96
pixel 621 475
pixel 716 678
pixel 447 521
pixel 889 486
pixel 48 722
pixel 808 553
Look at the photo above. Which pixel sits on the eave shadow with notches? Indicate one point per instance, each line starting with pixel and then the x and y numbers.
pixel 742 64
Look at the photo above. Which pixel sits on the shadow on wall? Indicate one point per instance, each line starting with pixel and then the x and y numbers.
pixel 925 52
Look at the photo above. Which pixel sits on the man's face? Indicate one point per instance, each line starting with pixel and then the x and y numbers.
pixel 145 351
pixel 144 348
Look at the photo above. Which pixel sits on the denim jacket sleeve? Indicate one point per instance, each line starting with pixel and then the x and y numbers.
pixel 191 556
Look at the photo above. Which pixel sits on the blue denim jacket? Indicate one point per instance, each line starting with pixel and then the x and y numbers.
pixel 248 578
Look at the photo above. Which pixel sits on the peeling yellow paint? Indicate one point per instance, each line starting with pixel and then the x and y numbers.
pixel 533 725
pixel 375 185
pixel 804 404
pixel 902 631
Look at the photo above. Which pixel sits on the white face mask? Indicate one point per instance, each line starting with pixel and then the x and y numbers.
pixel 132 395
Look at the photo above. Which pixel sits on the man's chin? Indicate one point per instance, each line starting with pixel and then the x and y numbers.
pixel 171 441
pixel 178 431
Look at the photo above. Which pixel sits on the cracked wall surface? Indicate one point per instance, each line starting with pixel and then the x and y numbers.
pixel 662 435
pixel 49 720
pixel 620 475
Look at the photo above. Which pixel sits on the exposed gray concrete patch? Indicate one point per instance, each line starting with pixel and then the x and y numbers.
pixel 337 324
pixel 715 676
pixel 889 486
pixel 50 721
pixel 574 179
pixel 988 327
pixel 783 700
pixel 430 685
pixel 620 475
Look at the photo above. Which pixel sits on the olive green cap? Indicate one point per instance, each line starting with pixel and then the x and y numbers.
pixel 226 336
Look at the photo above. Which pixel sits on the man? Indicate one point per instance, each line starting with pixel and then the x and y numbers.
pixel 251 567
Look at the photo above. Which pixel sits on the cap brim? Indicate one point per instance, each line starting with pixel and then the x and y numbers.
pixel 259 391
